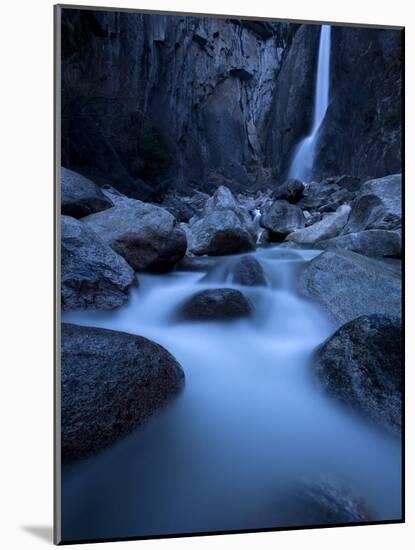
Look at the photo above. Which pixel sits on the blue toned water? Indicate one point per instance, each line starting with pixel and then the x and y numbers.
pixel 249 422
pixel 302 163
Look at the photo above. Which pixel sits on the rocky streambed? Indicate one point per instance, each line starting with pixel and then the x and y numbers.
pixel 230 384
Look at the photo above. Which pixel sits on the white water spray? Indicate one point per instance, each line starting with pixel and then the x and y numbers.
pixel 302 163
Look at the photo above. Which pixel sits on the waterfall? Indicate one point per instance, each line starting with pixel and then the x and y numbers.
pixel 302 163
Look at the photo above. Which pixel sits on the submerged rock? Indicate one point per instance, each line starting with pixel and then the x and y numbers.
pixel 373 243
pixel 248 271
pixel 225 227
pixel 330 226
pixel 282 218
pixel 111 382
pixel 361 365
pixel 93 276
pixel 81 196
pixel 147 236
pixel 219 304
pixel 348 285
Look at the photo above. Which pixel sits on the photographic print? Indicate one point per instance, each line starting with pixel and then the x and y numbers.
pixel 229 348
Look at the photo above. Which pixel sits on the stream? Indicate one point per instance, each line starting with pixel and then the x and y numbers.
pixel 249 423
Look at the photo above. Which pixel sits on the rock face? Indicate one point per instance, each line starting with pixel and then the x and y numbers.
pixel 166 95
pixel 374 243
pixel 219 304
pixel 349 285
pixel 248 272
pixel 330 226
pixel 93 276
pixel 148 237
pixel 282 218
pixel 361 365
pixel 111 382
pixel 80 196
pixel 224 227
pixel 365 102
pixel 194 99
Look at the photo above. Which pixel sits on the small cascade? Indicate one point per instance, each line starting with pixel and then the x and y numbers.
pixel 302 164
pixel 256 221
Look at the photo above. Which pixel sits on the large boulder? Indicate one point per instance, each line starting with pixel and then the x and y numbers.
pixel 361 365
pixel 248 271
pixel 378 205
pixel 374 243
pixel 93 276
pixel 282 218
pixel 111 382
pixel 225 227
pixel 147 236
pixel 219 304
pixel 320 502
pixel 348 285
pixel 292 190
pixel 330 226
pixel 81 196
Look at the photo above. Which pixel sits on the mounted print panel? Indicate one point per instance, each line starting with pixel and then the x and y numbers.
pixel 229 248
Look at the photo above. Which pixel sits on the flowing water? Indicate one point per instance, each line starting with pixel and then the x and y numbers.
pixel 250 422
pixel 303 160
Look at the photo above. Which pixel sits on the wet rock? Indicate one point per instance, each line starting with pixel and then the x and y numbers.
pixel 93 276
pixel 282 218
pixel 348 285
pixel 111 383
pixel 292 191
pixel 330 226
pixel 219 304
pixel 195 263
pixel 225 227
pixel 81 196
pixel 147 236
pixel 248 271
pixel 373 243
pixel 361 365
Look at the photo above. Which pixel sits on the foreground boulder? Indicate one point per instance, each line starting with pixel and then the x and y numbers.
pixel 147 236
pixel 93 276
pixel 373 243
pixel 282 218
pixel 224 227
pixel 111 382
pixel 389 191
pixel 361 365
pixel 81 196
pixel 219 304
pixel 330 226
pixel 248 271
pixel 320 503
pixel 348 285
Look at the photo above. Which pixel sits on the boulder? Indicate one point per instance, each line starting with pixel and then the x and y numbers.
pixel 320 502
pixel 348 285
pixel 248 271
pixel 350 183
pixel 218 304
pixel 147 236
pixel 93 276
pixel 330 226
pixel 81 196
pixel 361 365
pixel 378 205
pixel 373 243
pixel 292 191
pixel 225 227
pixel 111 382
pixel 282 218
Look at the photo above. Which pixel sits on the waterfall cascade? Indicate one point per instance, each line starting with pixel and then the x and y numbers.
pixel 302 164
